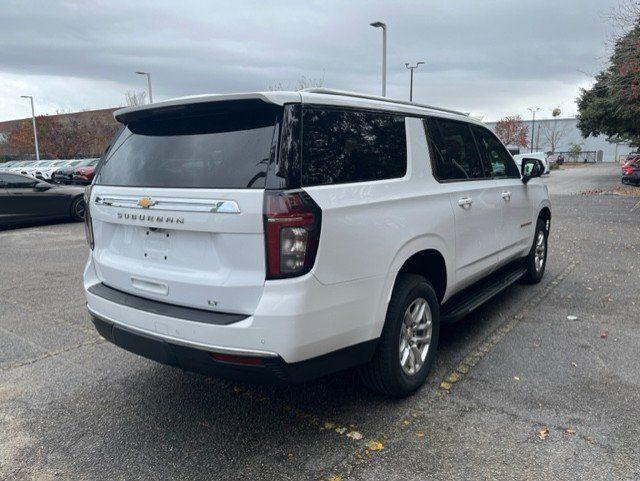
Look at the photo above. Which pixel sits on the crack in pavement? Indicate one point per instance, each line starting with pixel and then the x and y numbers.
pixel 50 354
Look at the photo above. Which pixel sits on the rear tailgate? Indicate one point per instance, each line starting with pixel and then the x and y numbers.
pixel 196 248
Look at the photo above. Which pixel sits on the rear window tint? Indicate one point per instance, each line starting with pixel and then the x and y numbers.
pixel 222 149
pixel 351 146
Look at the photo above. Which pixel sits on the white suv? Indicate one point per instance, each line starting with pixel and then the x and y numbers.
pixel 289 235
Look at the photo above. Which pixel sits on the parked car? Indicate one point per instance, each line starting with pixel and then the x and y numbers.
pixel 45 172
pixel 31 168
pixel 64 175
pixel 534 155
pixel 555 159
pixel 27 199
pixel 84 175
pixel 631 171
pixel 18 166
pixel 215 249
pixel 6 165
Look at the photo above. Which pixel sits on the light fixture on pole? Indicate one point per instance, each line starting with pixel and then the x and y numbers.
pixel 411 69
pixel 533 123
pixel 149 84
pixel 383 26
pixel 33 121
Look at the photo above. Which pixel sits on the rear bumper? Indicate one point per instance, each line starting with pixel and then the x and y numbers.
pixel 269 368
pixel 296 320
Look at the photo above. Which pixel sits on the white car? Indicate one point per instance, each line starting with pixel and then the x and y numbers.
pixel 32 168
pixel 541 156
pixel 294 234
pixel 20 165
pixel 46 171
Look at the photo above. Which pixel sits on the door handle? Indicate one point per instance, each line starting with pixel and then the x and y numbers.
pixel 465 201
pixel 506 195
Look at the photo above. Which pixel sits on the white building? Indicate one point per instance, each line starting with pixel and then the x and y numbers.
pixel 564 133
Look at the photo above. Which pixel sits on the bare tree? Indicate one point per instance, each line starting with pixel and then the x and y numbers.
pixel 134 98
pixel 553 131
pixel 623 15
pixel 302 83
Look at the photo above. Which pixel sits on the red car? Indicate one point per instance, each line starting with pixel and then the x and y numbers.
pixel 631 170
pixel 84 175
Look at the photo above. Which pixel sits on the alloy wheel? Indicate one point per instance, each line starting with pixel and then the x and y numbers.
pixel 540 250
pixel 415 336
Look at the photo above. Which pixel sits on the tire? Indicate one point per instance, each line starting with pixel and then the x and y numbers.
pixel 385 372
pixel 536 260
pixel 77 209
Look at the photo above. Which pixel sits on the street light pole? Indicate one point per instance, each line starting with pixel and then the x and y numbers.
pixel 33 121
pixel 149 84
pixel 411 69
pixel 383 26
pixel 533 124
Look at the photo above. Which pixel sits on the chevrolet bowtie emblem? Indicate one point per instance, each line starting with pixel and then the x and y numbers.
pixel 146 202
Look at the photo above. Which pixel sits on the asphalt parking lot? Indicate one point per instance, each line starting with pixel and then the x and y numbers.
pixel 542 383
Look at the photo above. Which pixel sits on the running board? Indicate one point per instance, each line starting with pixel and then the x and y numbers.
pixel 474 296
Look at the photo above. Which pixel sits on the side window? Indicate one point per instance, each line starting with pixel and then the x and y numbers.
pixel 342 146
pixel 17 181
pixel 496 159
pixel 454 153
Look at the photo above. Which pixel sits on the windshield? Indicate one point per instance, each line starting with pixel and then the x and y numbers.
pixel 219 149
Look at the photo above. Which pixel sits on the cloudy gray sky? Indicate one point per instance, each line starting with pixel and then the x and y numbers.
pixel 490 57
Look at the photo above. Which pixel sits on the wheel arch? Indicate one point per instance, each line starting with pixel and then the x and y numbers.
pixel 430 264
pixel 545 215
pixel 420 256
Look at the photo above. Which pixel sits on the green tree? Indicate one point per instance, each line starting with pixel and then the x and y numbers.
pixel 612 105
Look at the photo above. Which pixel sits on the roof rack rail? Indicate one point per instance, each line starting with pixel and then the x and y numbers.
pixel 344 93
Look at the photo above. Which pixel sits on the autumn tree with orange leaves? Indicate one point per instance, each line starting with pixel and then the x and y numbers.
pixel 62 138
pixel 512 131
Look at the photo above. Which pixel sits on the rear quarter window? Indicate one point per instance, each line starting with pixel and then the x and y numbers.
pixel 344 146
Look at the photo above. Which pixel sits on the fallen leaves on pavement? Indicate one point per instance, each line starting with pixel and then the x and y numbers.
pixel 543 433
pixel 374 445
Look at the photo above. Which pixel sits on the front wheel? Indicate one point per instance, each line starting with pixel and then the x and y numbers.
pixel 536 261
pixel 409 340
pixel 78 209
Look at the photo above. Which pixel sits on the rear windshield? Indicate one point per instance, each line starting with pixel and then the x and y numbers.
pixel 218 149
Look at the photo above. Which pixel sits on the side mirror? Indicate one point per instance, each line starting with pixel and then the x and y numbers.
pixel 531 168
pixel 41 187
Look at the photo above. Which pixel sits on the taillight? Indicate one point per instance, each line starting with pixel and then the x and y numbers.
pixel 292 231
pixel 88 226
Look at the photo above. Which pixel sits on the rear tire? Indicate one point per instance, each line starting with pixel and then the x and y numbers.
pixel 413 316
pixel 536 261
pixel 78 209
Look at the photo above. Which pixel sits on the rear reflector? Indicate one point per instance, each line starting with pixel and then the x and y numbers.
pixel 233 359
pixel 292 231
